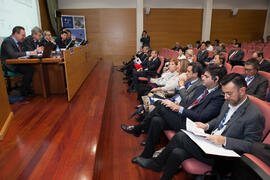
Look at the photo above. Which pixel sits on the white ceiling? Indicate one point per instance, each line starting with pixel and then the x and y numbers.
pixel 191 4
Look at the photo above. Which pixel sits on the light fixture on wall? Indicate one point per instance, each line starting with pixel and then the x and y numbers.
pixel 147 11
pixel 234 11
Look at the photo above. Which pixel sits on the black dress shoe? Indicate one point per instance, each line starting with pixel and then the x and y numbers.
pixel 134 160
pixel 148 164
pixel 130 130
pixel 130 90
pixel 143 143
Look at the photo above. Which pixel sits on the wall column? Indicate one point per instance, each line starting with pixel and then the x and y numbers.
pixel 207 18
pixel 267 22
pixel 139 22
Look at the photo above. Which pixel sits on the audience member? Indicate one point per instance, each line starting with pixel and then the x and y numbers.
pixel 239 123
pixel 256 84
pixel 264 65
pixel 236 56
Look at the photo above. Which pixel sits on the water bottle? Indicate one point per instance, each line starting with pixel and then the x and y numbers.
pixel 57 51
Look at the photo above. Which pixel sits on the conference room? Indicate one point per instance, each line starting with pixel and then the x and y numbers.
pixel 189 79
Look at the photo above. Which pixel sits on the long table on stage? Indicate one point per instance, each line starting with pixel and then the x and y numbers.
pixel 63 75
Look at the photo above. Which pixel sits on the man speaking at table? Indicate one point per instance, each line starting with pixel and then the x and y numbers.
pixel 11 48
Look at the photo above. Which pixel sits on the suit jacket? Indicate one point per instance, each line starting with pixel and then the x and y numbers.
pixel 29 44
pixel 151 66
pixel 9 50
pixel 207 109
pixel 237 58
pixel 59 42
pixel 187 94
pixel 265 66
pixel 43 42
pixel 145 41
pixel 245 126
pixel 202 56
pixel 258 87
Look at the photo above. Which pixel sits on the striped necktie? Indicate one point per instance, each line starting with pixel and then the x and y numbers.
pixel 198 100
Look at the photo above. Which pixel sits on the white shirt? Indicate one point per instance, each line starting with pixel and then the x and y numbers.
pixel 210 48
pixel 181 57
pixel 228 117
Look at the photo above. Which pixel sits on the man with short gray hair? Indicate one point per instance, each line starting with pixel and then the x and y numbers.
pixel 31 42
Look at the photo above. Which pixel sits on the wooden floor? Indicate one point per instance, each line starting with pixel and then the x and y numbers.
pixel 53 139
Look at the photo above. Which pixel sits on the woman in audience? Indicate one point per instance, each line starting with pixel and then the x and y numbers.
pixel 190 55
pixel 181 54
pixel 169 87
pixel 154 82
pixel 172 83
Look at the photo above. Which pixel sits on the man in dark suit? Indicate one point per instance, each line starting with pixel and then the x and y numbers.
pixel 202 55
pixel 205 105
pixel 47 38
pixel 31 42
pixel 187 89
pixel 239 123
pixel 61 41
pixel 148 69
pixel 236 56
pixel 264 65
pixel 256 84
pixel 177 46
pixel 12 48
pixel 145 39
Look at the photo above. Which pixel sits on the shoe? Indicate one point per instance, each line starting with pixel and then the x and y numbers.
pixel 148 164
pixel 130 90
pixel 143 143
pixel 134 160
pixel 130 130
pixel 138 111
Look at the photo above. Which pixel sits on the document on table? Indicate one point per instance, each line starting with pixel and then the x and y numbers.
pixel 210 148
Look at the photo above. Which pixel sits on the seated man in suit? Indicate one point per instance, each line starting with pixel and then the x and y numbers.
pixel 205 105
pixel 176 46
pixel 256 84
pixel 187 89
pixel 47 38
pixel 142 54
pixel 148 69
pixel 12 48
pixel 264 65
pixel 61 41
pixel 31 42
pixel 239 123
pixel 236 56
pixel 202 55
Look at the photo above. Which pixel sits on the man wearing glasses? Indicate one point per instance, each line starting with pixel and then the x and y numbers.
pixel 256 84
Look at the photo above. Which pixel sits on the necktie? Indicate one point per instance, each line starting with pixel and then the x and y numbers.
pixel 232 55
pixel 249 79
pixel 221 124
pixel 198 100
pixel 188 84
pixel 19 47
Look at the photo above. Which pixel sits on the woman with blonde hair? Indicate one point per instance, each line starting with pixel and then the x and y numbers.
pixel 190 55
pixel 170 85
